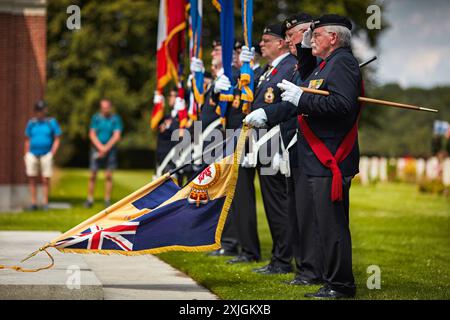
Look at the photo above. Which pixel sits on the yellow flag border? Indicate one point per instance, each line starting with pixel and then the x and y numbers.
pixel 222 218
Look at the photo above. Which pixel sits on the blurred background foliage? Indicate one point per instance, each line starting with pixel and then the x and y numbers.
pixel 113 56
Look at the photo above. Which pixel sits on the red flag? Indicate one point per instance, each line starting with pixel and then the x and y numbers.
pixel 171 28
pixel 158 110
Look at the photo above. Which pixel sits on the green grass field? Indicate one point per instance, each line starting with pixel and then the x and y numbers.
pixel 405 233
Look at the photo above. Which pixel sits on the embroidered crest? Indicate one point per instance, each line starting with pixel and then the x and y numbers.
pixel 200 185
pixel 269 96
pixel 315 84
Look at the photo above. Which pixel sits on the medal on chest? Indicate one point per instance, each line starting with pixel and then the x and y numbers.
pixel 269 95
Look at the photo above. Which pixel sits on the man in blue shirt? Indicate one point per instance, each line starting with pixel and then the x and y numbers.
pixel 105 131
pixel 41 144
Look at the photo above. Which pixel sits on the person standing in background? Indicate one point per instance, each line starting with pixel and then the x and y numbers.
pixel 105 131
pixel 41 144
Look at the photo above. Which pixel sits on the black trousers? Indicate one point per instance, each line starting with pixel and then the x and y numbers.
pixel 229 239
pixel 274 194
pixel 324 242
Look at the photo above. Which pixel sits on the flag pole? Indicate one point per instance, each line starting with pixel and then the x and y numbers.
pixel 374 101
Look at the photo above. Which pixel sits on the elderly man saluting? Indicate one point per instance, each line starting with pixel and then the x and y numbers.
pixel 328 152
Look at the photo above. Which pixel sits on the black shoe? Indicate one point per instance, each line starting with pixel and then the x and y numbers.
pixel 302 282
pixel 88 204
pixel 273 269
pixel 107 203
pixel 33 207
pixel 242 259
pixel 328 293
pixel 261 269
pixel 222 252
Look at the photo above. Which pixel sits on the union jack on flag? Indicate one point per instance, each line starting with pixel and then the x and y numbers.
pixel 96 238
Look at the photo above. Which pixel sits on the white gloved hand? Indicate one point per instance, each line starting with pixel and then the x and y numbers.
pixel 157 98
pixel 292 92
pixel 276 160
pixel 257 118
pixel 179 105
pixel 306 42
pixel 197 65
pixel 246 162
pixel 222 83
pixel 246 54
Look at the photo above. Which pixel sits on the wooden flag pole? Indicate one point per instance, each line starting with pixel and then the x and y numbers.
pixel 375 101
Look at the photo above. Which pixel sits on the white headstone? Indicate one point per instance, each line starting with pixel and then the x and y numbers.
pixel 383 170
pixel 364 170
pixel 432 168
pixel 401 164
pixel 374 169
pixel 420 168
pixel 446 172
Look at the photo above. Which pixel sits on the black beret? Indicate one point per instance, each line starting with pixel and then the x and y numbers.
pixel 216 43
pixel 275 30
pixel 331 20
pixel 40 105
pixel 297 19
pixel 238 44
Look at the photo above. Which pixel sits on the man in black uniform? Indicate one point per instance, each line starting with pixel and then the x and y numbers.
pixel 294 28
pixel 166 127
pixel 328 154
pixel 273 187
pixel 208 116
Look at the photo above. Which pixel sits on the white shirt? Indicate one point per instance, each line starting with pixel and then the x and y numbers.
pixel 278 59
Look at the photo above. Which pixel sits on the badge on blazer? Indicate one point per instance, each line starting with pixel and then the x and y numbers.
pixel 315 84
pixel 236 101
pixel 269 96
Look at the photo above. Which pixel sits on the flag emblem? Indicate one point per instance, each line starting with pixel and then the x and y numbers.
pixel 199 186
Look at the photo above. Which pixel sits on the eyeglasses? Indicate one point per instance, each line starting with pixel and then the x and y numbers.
pixel 270 40
pixel 289 36
pixel 316 35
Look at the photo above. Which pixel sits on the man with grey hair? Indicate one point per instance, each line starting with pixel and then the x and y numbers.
pixel 328 153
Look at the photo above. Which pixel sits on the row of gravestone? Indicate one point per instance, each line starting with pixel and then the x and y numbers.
pixel 404 169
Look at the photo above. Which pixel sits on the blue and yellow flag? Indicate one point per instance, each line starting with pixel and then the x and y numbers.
pixel 247 78
pixel 227 39
pixel 162 216
pixel 196 12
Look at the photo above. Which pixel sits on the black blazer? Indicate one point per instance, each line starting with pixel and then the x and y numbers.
pixel 329 117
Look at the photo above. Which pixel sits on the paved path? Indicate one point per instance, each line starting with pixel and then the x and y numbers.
pixel 101 277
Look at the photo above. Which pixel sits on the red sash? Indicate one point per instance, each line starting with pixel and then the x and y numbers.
pixel 326 157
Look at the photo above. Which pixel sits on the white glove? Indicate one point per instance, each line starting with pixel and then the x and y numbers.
pixel 179 105
pixel 222 83
pixel 157 98
pixel 306 42
pixel 246 54
pixel 246 162
pixel 292 92
pixel 257 118
pixel 197 65
pixel 276 160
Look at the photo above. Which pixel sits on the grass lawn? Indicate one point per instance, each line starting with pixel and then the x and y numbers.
pixel 405 233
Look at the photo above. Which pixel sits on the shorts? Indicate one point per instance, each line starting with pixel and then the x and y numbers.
pixel 34 164
pixel 108 162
